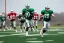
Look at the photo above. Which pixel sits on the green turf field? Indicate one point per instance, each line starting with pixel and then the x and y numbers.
pixel 53 35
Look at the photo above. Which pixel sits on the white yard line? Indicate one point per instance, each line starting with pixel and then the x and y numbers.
pixel 31 39
pixel 49 40
pixel 1 41
pixel 60 32
pixel 55 30
pixel 34 41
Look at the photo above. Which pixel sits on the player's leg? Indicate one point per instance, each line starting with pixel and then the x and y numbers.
pixel 31 25
pixel 4 25
pixel 36 24
pixel 43 29
pixel 48 25
pixel 27 28
pixel 21 26
pixel 14 25
pixel 11 25
pixel 24 25
pixel 0 25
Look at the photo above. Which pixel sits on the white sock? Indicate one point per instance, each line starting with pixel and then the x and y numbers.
pixel 16 31
pixel 21 30
pixel 27 33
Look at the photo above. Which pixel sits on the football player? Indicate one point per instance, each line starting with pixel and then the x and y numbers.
pixel 28 14
pixel 46 15
pixel 0 21
pixel 4 21
pixel 12 19
pixel 21 18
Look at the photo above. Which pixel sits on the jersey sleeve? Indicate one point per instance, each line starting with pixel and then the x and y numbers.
pixel 32 10
pixel 15 14
pixel 23 11
pixel 42 12
pixel 51 11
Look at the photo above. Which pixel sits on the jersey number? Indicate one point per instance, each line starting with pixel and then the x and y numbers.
pixel 46 16
pixel 27 14
pixel 12 16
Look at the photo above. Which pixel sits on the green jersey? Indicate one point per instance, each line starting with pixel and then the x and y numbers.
pixel 0 18
pixel 46 15
pixel 22 18
pixel 28 14
pixel 3 18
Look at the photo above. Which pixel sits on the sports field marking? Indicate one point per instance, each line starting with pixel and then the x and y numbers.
pixel 60 32
pixel 50 34
pixel 39 34
pixel 12 35
pixel 35 41
pixel 31 39
pixel 55 30
pixel 49 40
pixel 4 35
pixel 19 34
pixel 1 41
pixel 7 32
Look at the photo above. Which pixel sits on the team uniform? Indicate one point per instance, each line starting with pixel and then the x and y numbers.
pixel 22 21
pixel 46 18
pixel 12 18
pixel 35 20
pixel 2 21
pixel 28 14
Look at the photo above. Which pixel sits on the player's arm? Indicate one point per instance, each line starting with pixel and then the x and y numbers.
pixel 23 12
pixel 19 18
pixel 8 17
pixel 53 15
pixel 15 15
pixel 41 15
pixel 32 12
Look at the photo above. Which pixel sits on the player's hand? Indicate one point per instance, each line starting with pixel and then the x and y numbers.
pixel 40 18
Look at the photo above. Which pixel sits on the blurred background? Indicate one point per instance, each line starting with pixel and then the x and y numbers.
pixel 17 5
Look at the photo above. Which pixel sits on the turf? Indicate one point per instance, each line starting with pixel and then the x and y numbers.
pixel 53 35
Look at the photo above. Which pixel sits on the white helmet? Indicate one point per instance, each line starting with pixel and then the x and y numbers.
pixel 11 10
pixel 27 5
pixel 20 13
pixel 0 13
pixel 47 7
pixel 35 11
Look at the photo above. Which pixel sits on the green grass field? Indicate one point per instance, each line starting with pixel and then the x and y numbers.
pixel 53 35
